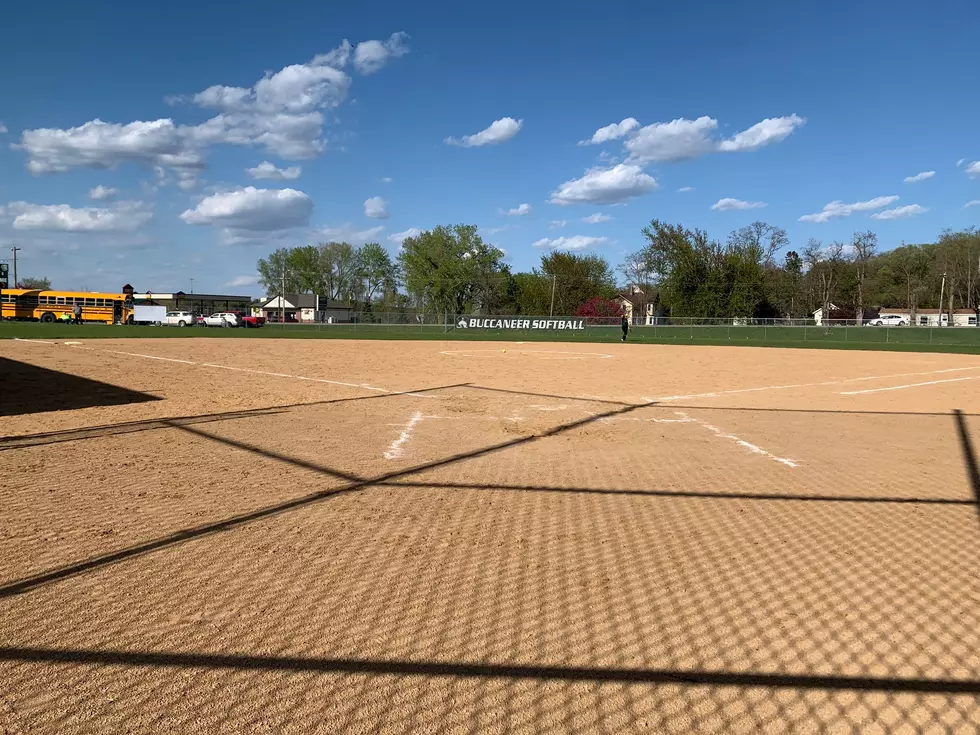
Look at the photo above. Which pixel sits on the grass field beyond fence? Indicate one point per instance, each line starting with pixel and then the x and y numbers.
pixel 913 339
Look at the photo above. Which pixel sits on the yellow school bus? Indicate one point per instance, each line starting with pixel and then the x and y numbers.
pixel 25 304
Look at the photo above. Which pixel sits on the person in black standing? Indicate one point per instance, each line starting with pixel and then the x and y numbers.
pixel 76 311
pixel 625 324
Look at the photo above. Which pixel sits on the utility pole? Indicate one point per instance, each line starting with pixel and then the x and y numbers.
pixel 942 290
pixel 192 285
pixel 14 251
pixel 554 280
pixel 282 298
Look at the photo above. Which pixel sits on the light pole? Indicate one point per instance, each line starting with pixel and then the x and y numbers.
pixel 14 250
pixel 192 285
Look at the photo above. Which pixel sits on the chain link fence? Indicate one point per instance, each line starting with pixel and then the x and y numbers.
pixel 660 329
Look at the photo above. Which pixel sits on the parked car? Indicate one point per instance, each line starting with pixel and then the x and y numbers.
pixel 889 320
pixel 247 320
pixel 179 319
pixel 222 319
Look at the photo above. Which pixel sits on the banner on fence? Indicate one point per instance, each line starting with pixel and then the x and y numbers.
pixel 562 324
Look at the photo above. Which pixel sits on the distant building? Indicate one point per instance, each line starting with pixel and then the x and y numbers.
pixel 305 308
pixel 637 307
pixel 198 303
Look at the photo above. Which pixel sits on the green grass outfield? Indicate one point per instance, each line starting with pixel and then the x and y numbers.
pixel 907 339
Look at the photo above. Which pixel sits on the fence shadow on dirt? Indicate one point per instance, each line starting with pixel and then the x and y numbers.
pixel 27 389
pixel 754 640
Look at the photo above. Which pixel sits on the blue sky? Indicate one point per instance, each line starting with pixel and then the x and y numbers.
pixel 819 111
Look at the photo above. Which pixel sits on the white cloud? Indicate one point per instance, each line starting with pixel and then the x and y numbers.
pixel 727 204
pixel 919 177
pixel 674 141
pixel 973 169
pixel 346 233
pixel 98 144
pixel 614 131
pixel 376 208
pixel 499 131
pixel 837 208
pixel 557 224
pixel 400 237
pixel 283 113
pixel 243 281
pixel 268 170
pixel 251 213
pixel 102 193
pixel 685 189
pixel 972 203
pixel 960 162
pixel 121 217
pixel 371 56
pixel 576 242
pixel 605 186
pixel 770 130
pixel 520 211
pixel 594 219
pixel 909 210
pixel 386 180
pixel 3 128
pixel 682 139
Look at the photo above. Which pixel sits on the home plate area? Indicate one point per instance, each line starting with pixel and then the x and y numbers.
pixel 647 435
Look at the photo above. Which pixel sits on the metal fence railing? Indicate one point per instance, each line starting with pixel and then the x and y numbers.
pixel 662 329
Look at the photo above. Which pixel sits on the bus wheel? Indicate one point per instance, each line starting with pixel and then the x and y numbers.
pixel 131 320
pixel 47 317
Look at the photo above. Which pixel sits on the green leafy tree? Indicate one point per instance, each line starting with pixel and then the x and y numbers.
pixel 575 279
pixel 39 284
pixel 451 269
pixel 274 270
pixel 378 272
pixel 340 269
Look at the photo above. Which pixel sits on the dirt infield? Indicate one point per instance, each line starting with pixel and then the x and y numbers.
pixel 286 536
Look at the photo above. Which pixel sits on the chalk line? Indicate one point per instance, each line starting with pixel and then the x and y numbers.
pixel 715 394
pixel 755 449
pixel 363 386
pixel 910 385
pixel 397 449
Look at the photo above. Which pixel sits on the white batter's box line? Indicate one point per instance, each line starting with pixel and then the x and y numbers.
pixel 397 448
pixel 755 449
pixel 715 394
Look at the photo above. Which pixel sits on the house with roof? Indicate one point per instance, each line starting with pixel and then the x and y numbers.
pixel 304 308
pixel 637 307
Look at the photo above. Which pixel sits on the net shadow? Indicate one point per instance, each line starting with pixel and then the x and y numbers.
pixel 356 483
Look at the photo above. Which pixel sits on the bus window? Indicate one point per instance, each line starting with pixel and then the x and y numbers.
pixel 61 299
pixel 90 302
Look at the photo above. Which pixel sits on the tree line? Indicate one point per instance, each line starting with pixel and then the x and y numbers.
pixel 682 272
pixel 446 271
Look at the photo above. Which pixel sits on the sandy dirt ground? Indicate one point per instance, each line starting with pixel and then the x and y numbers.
pixel 221 536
